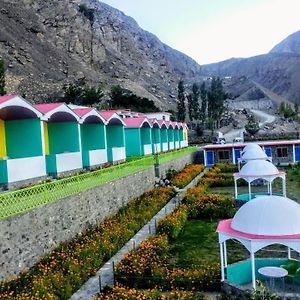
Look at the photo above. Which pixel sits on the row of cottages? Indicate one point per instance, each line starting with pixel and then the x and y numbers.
pixel 56 138
pixel 279 152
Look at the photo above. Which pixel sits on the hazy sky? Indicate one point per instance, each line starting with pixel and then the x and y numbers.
pixel 214 30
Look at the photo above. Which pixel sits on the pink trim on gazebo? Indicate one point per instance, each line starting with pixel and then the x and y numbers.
pixel 46 107
pixel 7 97
pixel 224 226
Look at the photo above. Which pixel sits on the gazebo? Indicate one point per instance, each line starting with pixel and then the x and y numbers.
pixel 258 169
pixel 261 222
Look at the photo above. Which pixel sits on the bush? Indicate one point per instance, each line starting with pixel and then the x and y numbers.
pixel 172 225
pixel 184 177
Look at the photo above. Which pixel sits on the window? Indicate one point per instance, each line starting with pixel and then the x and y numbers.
pixel 282 152
pixel 223 154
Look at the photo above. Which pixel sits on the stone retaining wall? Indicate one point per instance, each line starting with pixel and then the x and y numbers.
pixel 28 236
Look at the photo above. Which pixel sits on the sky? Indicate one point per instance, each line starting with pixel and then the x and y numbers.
pixel 215 30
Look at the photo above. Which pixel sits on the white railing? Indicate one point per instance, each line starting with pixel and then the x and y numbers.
pixel 68 161
pixel 98 157
pixel 118 153
pixel 26 168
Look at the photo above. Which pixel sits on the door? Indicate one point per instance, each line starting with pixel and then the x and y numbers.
pixel 210 160
pixel 297 153
pixel 237 155
pixel 268 151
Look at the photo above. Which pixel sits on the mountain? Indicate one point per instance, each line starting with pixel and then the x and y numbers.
pixel 289 45
pixel 278 70
pixel 46 44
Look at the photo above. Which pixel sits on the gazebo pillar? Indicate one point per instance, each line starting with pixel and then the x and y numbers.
pixel 289 253
pixel 225 254
pixel 249 190
pixel 270 187
pixel 222 262
pixel 235 188
pixel 253 269
pixel 284 187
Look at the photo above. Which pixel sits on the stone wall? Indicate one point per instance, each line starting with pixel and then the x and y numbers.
pixel 28 236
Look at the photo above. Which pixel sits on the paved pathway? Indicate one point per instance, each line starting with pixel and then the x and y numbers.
pixel 104 276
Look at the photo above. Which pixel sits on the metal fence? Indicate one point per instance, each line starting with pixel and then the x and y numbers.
pixel 12 203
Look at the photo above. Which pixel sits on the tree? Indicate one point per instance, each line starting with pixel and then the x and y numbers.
pixel 181 110
pixel 190 106
pixel 215 99
pixel 81 94
pixel 252 127
pixel 296 108
pixel 2 78
pixel 123 98
pixel 203 96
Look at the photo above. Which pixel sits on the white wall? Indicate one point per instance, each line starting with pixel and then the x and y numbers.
pixel 177 146
pixel 184 144
pixel 118 153
pixel 171 145
pixel 25 168
pixel 147 149
pixel 68 161
pixel 98 157
pixel 164 147
pixel 157 148
pixel 158 116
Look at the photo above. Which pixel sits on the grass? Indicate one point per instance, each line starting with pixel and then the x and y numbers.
pixel 198 244
pixel 292 185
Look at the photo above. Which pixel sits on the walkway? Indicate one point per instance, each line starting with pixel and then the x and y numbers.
pixel 104 276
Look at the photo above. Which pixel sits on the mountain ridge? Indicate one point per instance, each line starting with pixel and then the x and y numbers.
pixel 46 45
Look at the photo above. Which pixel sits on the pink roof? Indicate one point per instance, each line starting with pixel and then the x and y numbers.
pixel 106 114
pixel 224 226
pixel 169 124
pixel 82 111
pixel 159 112
pixel 7 97
pixel 135 122
pixel 46 107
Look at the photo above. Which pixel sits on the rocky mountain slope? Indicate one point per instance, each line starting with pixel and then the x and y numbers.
pixel 278 71
pixel 48 43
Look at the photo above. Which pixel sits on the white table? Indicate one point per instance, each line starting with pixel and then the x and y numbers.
pixel 273 273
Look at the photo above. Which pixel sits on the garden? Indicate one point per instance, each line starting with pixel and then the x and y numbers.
pixel 184 254
pixel 63 271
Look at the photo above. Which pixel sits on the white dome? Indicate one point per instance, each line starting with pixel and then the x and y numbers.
pixel 253 153
pixel 256 168
pixel 268 215
pixel 251 146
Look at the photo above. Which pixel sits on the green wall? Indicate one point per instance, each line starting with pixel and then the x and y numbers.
pixel 164 135
pixel 63 137
pixel 92 136
pixel 171 135
pixel 155 137
pixel 23 138
pixel 133 142
pixel 176 135
pixel 181 134
pixel 115 138
pixel 146 136
pixel 3 171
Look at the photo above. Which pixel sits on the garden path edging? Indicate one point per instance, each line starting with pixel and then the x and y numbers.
pixel 104 275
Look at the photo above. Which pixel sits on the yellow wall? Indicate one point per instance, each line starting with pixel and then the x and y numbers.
pixel 46 138
pixel 2 139
pixel 185 134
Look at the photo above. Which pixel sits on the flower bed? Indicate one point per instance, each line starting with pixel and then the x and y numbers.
pixel 64 270
pixel 119 292
pixel 148 267
pixel 185 176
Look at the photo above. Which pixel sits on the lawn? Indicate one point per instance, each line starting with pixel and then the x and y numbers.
pixel 198 244
pixel 292 185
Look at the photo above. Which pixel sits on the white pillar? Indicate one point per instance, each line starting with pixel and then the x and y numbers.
pixel 253 269
pixel 79 137
pixel 235 188
pixel 233 156
pixel 271 188
pixel 204 155
pixel 225 255
pixel 249 190
pixel 294 154
pixel 289 253
pixel 284 187
pixel 222 262
pixel 268 185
